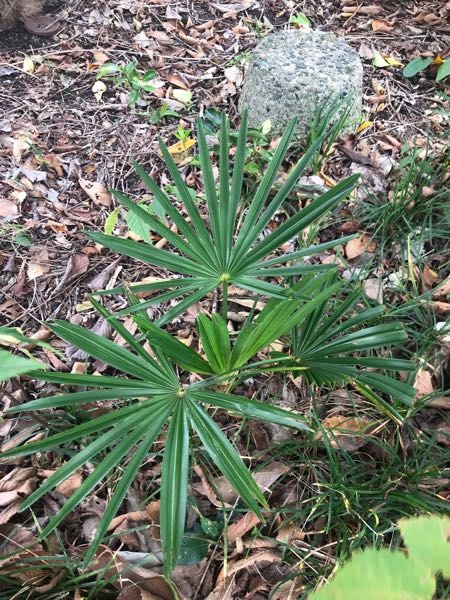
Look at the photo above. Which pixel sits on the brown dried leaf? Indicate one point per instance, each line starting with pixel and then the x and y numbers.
pixel 441 308
pixel 231 8
pixel 35 270
pixel 442 290
pixel 206 489
pixel 381 25
pixel 14 487
pixel 78 264
pixel 240 527
pixel 264 479
pixel 428 276
pixel 70 485
pixel 132 592
pixel 357 246
pixel 347 433
pixel 289 532
pixel 423 384
pixel 8 208
pixel 245 563
pixel 443 402
pixel 373 287
pixel 96 191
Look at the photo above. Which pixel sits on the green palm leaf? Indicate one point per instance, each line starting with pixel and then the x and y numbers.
pixel 232 251
pixel 174 482
pixel 225 457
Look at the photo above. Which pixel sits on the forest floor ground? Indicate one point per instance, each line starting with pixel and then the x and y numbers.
pixel 65 143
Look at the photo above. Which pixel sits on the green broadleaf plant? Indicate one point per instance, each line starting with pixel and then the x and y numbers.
pixel 232 250
pixel 374 574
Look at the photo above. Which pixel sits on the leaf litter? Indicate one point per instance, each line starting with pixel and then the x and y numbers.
pixel 64 145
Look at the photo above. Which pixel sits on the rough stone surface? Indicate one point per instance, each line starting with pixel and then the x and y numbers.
pixel 294 72
pixel 12 11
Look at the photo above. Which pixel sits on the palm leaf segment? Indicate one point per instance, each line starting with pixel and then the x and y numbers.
pixel 332 348
pixel 233 249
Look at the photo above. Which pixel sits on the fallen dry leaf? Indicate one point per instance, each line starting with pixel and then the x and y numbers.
pixel 245 563
pixel 441 308
pixel 240 527
pixel 442 402
pixel 96 191
pixel 264 478
pixel 373 287
pixel 346 433
pixel 442 290
pixel 423 384
pixel 35 270
pixel 381 25
pixel 8 208
pixel 14 487
pixel 357 246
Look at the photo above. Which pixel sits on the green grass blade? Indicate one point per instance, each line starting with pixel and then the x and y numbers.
pixel 259 286
pixel 266 215
pixel 155 286
pixel 174 484
pixel 120 328
pixel 210 190
pixel 364 339
pixel 159 227
pixel 226 219
pixel 85 454
pixel 397 389
pixel 236 182
pixel 99 381
pixel 383 406
pixel 373 362
pixel 276 319
pixel 199 286
pixel 301 269
pixel 83 430
pixel 190 234
pixel 112 459
pixel 250 408
pixel 58 401
pixel 203 235
pixel 305 252
pixel 288 185
pixel 185 303
pixel 225 457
